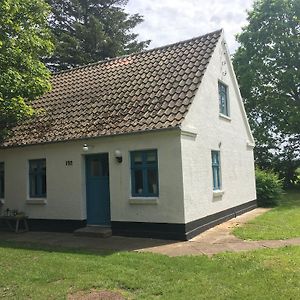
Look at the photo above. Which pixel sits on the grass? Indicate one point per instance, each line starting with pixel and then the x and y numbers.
pixel 33 273
pixel 282 222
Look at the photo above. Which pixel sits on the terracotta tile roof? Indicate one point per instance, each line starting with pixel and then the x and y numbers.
pixel 144 91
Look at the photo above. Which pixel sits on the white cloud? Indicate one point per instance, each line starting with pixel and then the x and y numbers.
pixel 169 21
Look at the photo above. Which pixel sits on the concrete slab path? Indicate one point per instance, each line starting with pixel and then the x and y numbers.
pixel 215 240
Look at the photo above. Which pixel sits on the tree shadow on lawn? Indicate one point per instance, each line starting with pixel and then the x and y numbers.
pixel 57 249
pixel 289 201
pixel 67 243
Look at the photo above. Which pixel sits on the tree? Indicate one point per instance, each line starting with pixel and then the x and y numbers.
pixel 267 67
pixel 86 31
pixel 24 40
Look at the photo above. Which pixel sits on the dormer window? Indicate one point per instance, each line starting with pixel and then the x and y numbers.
pixel 223 99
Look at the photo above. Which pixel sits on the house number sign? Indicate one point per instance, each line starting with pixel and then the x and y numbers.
pixel 69 163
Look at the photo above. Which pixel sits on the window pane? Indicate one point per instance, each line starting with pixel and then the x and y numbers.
pixel 223 101
pixel 215 158
pixel 37 178
pixel 216 179
pixel 138 182
pixel 95 167
pixel 151 156
pixel 104 166
pixel 152 181
pixel 1 187
pixel 137 158
pixel 144 173
pixel 44 185
pixel 33 166
pixel 42 164
pixel 33 185
pixel 215 155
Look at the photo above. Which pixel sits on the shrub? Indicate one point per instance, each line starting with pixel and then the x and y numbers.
pixel 268 188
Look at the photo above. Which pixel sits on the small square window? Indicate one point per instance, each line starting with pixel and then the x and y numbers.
pixel 37 178
pixel 223 99
pixel 144 173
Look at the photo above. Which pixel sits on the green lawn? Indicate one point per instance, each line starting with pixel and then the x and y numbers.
pixel 43 274
pixel 282 222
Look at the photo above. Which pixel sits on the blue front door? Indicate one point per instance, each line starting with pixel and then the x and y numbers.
pixel 97 189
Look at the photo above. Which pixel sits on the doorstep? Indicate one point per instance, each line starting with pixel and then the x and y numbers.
pixel 94 231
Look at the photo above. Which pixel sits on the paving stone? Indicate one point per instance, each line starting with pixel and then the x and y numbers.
pixel 213 241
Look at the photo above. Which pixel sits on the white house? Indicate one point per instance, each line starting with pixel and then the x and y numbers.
pixel 152 144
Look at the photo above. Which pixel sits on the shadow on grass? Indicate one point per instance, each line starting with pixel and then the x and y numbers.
pixel 288 200
pixel 68 243
pixel 58 249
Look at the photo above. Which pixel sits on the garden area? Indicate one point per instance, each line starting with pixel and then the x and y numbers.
pixel 42 40
pixel 35 273
pixel 281 222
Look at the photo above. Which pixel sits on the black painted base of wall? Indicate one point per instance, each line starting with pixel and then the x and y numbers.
pixel 52 225
pixel 181 232
pixel 170 231
pixel 195 227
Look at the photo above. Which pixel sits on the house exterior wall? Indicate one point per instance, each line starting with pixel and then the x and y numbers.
pixel 66 194
pixel 186 203
pixel 214 132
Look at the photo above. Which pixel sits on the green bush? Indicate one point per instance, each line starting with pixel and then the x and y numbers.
pixel 268 188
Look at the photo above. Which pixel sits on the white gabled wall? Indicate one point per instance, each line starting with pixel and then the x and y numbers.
pixel 216 133
pixel 66 184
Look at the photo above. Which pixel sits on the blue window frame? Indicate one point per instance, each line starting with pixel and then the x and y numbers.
pixel 223 99
pixel 37 178
pixel 215 157
pixel 2 180
pixel 144 173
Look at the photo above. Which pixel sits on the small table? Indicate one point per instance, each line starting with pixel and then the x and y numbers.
pixel 10 220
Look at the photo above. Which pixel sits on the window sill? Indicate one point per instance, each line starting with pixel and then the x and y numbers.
pixel 218 193
pixel 2 201
pixel 36 201
pixel 144 200
pixel 227 118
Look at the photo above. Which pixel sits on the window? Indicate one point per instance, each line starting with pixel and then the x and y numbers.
pixel 144 173
pixel 1 180
pixel 223 99
pixel 215 157
pixel 37 178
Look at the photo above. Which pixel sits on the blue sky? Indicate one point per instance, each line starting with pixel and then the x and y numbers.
pixel 169 21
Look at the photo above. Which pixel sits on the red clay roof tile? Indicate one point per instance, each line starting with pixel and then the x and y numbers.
pixel 144 91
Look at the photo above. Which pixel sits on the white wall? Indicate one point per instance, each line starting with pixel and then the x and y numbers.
pixel 189 178
pixel 66 184
pixel 216 133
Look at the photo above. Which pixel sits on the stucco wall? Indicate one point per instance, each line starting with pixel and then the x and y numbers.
pixel 230 136
pixel 66 184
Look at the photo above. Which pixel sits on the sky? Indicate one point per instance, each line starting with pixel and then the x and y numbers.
pixel 170 21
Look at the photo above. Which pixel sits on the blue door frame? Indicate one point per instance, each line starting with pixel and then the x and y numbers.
pixel 97 189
